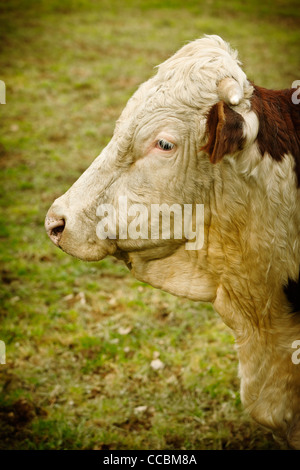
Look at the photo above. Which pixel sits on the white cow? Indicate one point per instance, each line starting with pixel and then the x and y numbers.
pixel 199 134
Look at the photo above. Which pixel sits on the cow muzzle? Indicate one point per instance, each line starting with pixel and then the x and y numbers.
pixel 75 233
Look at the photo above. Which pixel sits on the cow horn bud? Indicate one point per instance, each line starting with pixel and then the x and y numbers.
pixel 230 91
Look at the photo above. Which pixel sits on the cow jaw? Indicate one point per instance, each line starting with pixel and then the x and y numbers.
pixel 179 274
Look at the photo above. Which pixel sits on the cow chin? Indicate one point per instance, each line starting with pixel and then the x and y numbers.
pixel 87 250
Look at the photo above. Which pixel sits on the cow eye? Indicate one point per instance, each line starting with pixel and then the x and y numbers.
pixel 164 144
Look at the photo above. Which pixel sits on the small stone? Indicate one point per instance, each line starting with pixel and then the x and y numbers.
pixel 124 331
pixel 157 364
pixel 140 409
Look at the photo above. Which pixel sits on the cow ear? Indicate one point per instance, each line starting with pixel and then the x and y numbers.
pixel 224 128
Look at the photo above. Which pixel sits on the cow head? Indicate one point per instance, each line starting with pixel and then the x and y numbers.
pixel 197 104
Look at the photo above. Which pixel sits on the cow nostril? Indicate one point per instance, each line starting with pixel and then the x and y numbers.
pixel 55 229
pixel 55 232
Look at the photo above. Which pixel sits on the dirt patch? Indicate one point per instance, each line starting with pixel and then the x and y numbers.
pixel 14 421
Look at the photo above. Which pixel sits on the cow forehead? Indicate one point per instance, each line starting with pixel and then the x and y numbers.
pixel 184 84
pixel 151 104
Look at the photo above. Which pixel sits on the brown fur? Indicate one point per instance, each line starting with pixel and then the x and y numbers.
pixel 225 132
pixel 279 124
pixel 279 127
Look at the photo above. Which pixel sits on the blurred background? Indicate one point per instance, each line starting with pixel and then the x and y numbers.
pixel 80 337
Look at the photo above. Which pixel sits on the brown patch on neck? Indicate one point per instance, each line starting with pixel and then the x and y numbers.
pixel 279 124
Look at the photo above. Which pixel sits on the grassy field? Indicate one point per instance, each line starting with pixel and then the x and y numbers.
pixel 81 337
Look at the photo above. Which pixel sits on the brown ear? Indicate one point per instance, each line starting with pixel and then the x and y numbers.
pixel 225 132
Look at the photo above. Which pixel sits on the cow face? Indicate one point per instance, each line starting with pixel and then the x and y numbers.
pixel 157 157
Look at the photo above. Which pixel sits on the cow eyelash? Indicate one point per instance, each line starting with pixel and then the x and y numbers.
pixel 163 144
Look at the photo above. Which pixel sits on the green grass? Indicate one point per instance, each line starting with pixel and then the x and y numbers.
pixel 80 337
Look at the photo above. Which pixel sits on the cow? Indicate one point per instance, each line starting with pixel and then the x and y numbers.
pixel 199 133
